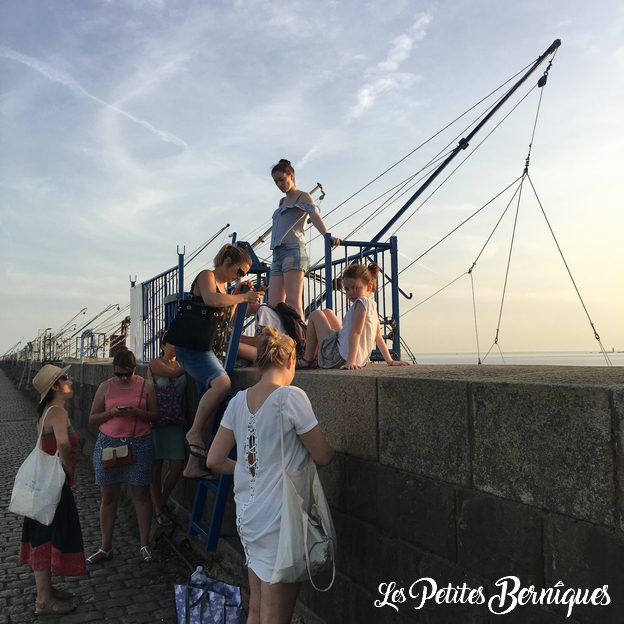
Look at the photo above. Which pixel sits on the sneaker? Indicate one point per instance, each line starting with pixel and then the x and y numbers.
pixel 146 554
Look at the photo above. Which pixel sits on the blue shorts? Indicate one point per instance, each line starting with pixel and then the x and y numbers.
pixel 289 258
pixel 202 366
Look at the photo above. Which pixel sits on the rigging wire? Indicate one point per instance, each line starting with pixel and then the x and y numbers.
pixel 406 156
pixel 596 336
pixel 474 214
pixel 485 138
pixel 474 310
pixel 433 136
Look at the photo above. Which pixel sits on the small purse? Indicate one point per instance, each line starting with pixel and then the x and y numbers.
pixel 117 456
pixel 195 325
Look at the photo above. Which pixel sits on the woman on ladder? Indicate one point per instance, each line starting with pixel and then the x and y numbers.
pixel 290 260
pixel 209 287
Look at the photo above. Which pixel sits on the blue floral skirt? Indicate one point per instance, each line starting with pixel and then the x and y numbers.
pixel 139 472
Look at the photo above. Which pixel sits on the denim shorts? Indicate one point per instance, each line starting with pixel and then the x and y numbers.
pixel 202 366
pixel 290 257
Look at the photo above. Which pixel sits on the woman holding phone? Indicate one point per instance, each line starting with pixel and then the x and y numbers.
pixel 124 408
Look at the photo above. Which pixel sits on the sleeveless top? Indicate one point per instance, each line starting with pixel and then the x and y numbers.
pixel 134 396
pixel 223 330
pixel 48 445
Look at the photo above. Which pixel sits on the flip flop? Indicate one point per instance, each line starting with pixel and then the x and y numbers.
pixel 202 452
pixel 163 519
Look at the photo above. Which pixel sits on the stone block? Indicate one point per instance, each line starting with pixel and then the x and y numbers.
pixel 618 427
pixel 369 558
pixel 497 537
pixel 582 555
pixel 418 510
pixel 346 408
pixel 423 427
pixel 546 446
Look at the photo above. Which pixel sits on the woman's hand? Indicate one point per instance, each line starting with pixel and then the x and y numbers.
pixel 335 241
pixel 255 297
pixel 347 366
pixel 398 363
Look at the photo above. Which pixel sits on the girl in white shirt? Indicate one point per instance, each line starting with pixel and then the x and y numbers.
pixel 348 345
pixel 252 422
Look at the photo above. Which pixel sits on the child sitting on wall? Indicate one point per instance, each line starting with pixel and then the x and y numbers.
pixel 332 344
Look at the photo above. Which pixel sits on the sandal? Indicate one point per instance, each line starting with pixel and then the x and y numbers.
pixel 54 607
pixel 196 450
pixel 163 519
pixel 100 555
pixel 146 554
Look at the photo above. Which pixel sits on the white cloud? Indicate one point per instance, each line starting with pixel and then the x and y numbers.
pixel 385 76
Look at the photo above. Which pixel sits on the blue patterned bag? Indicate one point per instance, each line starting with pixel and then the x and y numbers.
pixel 219 603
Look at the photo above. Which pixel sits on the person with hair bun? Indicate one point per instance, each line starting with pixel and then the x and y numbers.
pixel 252 422
pixel 290 260
pixel 209 287
pixel 348 345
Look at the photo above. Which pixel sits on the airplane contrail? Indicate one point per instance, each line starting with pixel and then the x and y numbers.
pixel 57 76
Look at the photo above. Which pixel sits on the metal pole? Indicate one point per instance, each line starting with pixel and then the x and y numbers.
pixel 329 287
pixel 464 142
pixel 394 269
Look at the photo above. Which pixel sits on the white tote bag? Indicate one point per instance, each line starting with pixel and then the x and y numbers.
pixel 307 536
pixel 38 484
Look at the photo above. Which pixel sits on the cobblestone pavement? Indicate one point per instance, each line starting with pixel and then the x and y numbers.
pixel 122 590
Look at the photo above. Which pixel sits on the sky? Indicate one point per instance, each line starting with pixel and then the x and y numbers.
pixel 129 128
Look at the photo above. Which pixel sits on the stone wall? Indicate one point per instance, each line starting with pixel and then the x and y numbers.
pixel 465 475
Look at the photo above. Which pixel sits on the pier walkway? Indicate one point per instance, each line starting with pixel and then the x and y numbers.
pixel 123 590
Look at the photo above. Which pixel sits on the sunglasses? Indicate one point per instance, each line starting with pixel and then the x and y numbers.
pixel 124 374
pixel 64 378
pixel 240 273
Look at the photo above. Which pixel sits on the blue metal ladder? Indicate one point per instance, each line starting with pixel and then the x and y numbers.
pixel 211 532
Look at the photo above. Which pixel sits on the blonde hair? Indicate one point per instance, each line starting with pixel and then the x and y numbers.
pixel 274 349
pixel 237 255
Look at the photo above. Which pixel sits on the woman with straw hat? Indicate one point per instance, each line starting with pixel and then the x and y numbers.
pixel 56 549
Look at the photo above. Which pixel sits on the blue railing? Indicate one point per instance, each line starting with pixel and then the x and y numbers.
pixel 160 296
pixel 161 293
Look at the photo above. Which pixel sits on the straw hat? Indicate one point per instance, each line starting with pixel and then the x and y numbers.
pixel 47 377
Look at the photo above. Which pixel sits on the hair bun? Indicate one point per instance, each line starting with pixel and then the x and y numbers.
pixel 283 161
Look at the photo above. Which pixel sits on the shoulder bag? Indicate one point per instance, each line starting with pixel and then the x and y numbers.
pixel 307 538
pixel 195 325
pixel 38 484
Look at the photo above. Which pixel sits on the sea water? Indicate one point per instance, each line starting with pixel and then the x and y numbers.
pixel 546 358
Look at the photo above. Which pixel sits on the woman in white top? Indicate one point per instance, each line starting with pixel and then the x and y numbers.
pixel 252 422
pixel 348 345
pixel 290 260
